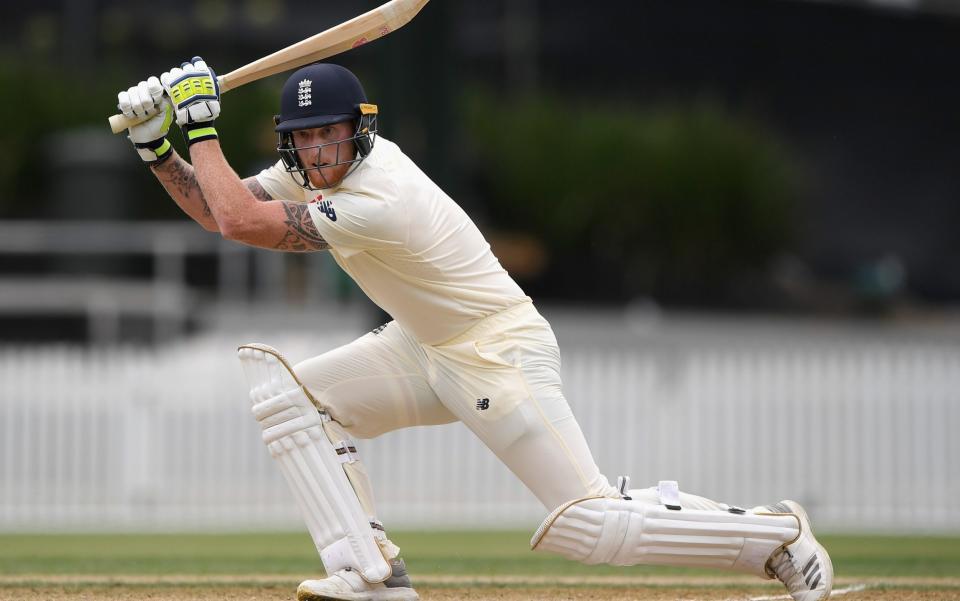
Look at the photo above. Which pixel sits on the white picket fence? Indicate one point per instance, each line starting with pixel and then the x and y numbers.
pixel 862 430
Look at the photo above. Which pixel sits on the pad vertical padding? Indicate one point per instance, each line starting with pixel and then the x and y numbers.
pixel 629 532
pixel 293 432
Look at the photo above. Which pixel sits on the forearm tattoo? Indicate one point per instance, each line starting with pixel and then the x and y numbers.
pixel 182 177
pixel 301 234
pixel 180 174
pixel 257 190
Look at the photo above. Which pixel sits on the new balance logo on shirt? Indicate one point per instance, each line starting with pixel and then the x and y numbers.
pixel 326 207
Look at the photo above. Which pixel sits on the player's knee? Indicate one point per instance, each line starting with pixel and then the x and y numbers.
pixel 317 373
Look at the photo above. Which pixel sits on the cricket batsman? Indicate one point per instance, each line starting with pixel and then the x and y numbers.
pixel 465 343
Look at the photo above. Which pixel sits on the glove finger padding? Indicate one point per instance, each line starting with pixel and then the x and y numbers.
pixel 195 94
pixel 142 101
pixel 155 89
pixel 192 84
pixel 167 77
pixel 128 102
pixel 123 103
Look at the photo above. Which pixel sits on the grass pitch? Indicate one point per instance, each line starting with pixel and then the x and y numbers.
pixel 444 565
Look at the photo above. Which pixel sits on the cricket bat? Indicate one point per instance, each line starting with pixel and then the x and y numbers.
pixel 356 32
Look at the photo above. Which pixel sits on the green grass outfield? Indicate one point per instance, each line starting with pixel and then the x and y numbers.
pixel 472 554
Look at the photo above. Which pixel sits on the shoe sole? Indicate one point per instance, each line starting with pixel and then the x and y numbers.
pixel 395 594
pixel 801 513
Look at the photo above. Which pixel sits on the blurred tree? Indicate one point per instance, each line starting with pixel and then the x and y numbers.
pixel 680 203
pixel 41 101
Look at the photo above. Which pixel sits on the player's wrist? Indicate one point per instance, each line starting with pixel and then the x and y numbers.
pixel 154 152
pixel 199 132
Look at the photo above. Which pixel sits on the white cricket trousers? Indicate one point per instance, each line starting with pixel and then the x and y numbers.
pixel 501 378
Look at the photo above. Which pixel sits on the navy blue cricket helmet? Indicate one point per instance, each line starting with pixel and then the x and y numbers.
pixel 317 95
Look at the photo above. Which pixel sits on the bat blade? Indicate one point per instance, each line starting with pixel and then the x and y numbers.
pixel 350 34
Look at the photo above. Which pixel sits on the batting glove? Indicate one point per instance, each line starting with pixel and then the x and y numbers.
pixel 195 94
pixel 146 99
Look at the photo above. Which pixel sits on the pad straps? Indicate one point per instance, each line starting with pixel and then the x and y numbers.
pixel 669 493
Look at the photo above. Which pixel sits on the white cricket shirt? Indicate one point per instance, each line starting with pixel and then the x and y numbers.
pixel 407 244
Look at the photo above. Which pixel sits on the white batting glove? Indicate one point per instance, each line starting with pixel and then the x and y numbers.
pixel 146 99
pixel 195 94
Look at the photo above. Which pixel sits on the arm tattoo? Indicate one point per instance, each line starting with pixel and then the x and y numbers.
pixel 257 190
pixel 182 176
pixel 301 234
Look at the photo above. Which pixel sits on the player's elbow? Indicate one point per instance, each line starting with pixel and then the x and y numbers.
pixel 238 230
pixel 233 229
pixel 256 226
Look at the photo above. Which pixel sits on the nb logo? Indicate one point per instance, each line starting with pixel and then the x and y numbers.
pixel 483 404
pixel 326 207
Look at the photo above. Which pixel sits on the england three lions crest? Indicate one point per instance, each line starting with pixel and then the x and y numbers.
pixel 305 93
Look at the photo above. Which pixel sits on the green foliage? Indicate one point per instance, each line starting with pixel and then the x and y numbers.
pixel 37 102
pixel 678 196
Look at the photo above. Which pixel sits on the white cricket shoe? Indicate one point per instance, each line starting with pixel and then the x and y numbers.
pixel 804 566
pixel 347 585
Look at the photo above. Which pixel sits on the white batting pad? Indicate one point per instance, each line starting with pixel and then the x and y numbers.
pixel 294 434
pixel 627 532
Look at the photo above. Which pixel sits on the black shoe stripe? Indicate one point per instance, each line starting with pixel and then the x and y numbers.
pixel 815 582
pixel 806 568
pixel 813 574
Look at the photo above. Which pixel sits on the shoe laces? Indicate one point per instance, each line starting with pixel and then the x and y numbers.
pixel 795 577
pixel 781 565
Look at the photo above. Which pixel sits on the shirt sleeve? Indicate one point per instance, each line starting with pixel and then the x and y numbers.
pixel 365 217
pixel 279 184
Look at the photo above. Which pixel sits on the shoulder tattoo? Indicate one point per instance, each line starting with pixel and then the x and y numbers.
pixel 301 234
